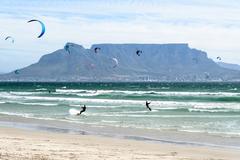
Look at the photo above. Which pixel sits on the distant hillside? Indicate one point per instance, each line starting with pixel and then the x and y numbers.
pixel 229 66
pixel 157 62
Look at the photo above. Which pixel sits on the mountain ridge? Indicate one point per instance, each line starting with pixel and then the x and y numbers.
pixel 157 62
pixel 229 65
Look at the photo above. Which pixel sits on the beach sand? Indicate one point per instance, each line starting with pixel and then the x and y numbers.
pixel 19 144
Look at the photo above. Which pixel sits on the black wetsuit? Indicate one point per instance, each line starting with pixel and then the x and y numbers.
pixel 83 109
pixel 147 105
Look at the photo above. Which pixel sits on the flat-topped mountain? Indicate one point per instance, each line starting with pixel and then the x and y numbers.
pixel 120 62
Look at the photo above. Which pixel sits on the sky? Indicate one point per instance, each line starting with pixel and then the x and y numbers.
pixel 209 25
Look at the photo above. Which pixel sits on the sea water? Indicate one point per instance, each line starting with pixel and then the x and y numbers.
pixel 212 108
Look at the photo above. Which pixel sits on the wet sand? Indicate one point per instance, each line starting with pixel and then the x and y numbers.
pixel 149 135
pixel 17 144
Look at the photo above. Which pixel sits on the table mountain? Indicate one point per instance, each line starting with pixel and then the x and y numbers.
pixel 157 62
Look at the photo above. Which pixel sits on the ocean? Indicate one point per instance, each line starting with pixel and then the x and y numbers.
pixel 209 108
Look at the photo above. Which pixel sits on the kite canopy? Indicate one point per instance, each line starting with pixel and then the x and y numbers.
pixel 16 71
pixel 97 49
pixel 138 52
pixel 67 47
pixel 115 62
pixel 9 38
pixel 42 25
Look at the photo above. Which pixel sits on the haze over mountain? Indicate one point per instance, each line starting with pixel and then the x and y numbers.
pixel 229 66
pixel 157 62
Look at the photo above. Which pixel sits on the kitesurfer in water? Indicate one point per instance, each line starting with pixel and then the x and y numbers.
pixel 147 105
pixel 83 110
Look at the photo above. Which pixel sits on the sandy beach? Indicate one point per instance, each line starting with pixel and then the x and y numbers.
pixel 17 144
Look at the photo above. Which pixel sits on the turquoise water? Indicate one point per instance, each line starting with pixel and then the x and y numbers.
pixel 212 108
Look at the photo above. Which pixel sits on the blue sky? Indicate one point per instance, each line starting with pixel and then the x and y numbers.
pixel 212 26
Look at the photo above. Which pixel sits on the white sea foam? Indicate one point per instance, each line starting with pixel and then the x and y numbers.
pixel 75 105
pixel 161 116
pixel 15 101
pixel 135 112
pixel 26 115
pixel 81 92
pixel 41 89
pixel 79 100
pixel 23 93
pixel 73 111
pixel 98 106
pixel 37 104
pixel 74 91
pixel 163 93
pixel 106 102
pixel 121 102
pixel 8 95
pixel 216 105
pixel 108 121
pixel 212 110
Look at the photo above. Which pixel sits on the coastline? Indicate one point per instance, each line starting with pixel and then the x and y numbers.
pixel 149 135
pixel 24 144
pixel 172 143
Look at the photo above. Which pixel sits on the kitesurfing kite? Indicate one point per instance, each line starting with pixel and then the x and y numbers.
pixel 138 52
pixel 115 62
pixel 67 47
pixel 16 71
pixel 97 49
pixel 8 38
pixel 219 58
pixel 42 25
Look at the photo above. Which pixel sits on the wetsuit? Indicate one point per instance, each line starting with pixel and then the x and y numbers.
pixel 83 109
pixel 147 105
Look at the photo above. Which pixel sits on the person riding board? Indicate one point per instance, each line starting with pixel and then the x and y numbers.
pixel 83 110
pixel 147 105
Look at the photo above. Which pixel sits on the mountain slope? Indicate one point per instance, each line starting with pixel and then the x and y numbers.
pixel 157 62
pixel 229 66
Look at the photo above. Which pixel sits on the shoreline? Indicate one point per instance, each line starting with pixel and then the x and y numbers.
pixel 145 135
pixel 38 145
